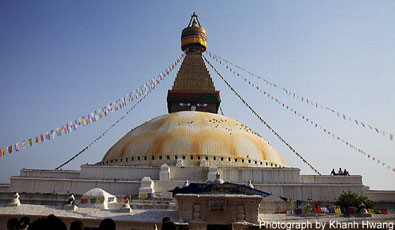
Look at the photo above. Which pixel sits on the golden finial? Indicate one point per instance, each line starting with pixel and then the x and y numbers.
pixel 193 37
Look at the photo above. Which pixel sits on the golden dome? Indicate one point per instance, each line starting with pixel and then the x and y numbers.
pixel 194 37
pixel 193 136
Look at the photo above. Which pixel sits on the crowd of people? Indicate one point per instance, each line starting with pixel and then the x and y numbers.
pixel 340 172
pixel 52 222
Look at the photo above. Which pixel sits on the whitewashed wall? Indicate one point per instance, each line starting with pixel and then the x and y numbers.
pixel 77 186
pixel 45 173
pixel 261 175
pixel 129 173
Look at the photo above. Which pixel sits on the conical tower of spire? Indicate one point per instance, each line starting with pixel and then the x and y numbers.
pixel 193 87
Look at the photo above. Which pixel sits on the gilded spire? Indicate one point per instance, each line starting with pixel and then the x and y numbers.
pixel 193 37
pixel 193 88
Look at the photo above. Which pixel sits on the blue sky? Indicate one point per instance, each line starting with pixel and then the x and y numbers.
pixel 61 60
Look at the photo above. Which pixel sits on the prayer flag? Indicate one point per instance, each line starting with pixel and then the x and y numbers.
pixel 2 152
pixel 30 142
pixel 391 137
pixel 47 136
pixel 17 147
pixel 42 137
pixel 10 149
pixel 36 140
pixel 23 144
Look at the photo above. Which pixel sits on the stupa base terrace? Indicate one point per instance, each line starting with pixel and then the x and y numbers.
pixel 149 196
pixel 127 180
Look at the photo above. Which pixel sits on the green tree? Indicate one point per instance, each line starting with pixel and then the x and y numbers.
pixel 350 199
pixel 368 203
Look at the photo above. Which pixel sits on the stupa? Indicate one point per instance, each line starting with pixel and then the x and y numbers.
pixel 190 148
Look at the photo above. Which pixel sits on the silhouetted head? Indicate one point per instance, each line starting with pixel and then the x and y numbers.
pixel 107 224
pixel 77 225
pixel 51 222
pixel 13 224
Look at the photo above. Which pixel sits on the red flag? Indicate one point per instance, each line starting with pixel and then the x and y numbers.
pixel 10 149
pixel 42 137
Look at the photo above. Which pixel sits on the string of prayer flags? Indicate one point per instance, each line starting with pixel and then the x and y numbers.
pixel 313 103
pixel 98 114
pixel 325 130
pixel 104 133
pixel 261 119
pixel 158 79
